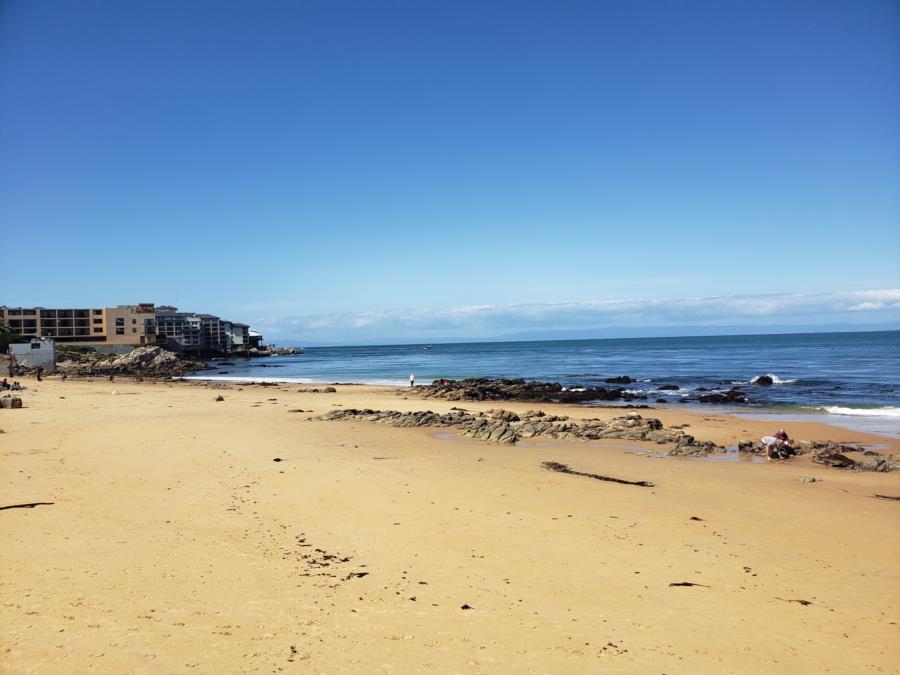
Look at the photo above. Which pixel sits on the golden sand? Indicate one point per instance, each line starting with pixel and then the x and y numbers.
pixel 172 542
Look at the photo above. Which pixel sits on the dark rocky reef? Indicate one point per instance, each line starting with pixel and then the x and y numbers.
pixel 730 396
pixel 621 379
pixel 835 455
pixel 505 426
pixel 484 389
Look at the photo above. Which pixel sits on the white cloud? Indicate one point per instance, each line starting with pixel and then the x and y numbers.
pixel 483 321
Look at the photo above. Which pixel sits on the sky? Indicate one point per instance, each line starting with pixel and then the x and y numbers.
pixel 346 171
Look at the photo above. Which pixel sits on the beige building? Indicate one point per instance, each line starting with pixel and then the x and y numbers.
pixel 125 325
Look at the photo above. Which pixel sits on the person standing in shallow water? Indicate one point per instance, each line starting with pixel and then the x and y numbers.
pixel 412 380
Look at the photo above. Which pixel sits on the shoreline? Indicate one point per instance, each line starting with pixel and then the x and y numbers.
pixel 886 425
pixel 158 528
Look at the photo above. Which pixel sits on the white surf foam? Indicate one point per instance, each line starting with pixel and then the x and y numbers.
pixel 863 412
pixel 775 379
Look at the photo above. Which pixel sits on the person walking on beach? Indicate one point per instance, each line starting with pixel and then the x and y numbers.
pixel 412 379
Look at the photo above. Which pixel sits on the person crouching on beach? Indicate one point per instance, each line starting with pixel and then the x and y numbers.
pixel 779 446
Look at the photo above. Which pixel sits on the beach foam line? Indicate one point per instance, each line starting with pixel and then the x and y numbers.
pixel 291 380
pixel 863 412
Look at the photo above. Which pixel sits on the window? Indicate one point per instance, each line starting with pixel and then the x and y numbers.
pixel 96 321
pixel 14 312
pixel 120 330
pixel 98 312
pixel 98 330
pixel 134 330
pixel 120 321
pixel 134 321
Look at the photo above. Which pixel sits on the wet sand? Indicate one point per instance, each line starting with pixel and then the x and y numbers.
pixel 166 539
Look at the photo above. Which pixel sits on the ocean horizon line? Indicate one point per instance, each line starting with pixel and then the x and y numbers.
pixel 409 342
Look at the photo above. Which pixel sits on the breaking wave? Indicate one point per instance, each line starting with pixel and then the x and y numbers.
pixel 863 412
pixel 775 380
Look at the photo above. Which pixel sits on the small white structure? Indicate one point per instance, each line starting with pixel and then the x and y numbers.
pixel 35 353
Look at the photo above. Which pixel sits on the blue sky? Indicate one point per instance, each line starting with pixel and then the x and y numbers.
pixel 279 162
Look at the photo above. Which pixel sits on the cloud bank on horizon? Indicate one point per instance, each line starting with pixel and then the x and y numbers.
pixel 854 308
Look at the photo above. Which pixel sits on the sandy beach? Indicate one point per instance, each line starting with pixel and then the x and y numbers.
pixel 166 538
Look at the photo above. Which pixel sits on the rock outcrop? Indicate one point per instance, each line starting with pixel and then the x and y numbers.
pixel 835 455
pixel 621 379
pixel 484 389
pixel 730 396
pixel 143 361
pixel 831 457
pixel 746 445
pixel 504 426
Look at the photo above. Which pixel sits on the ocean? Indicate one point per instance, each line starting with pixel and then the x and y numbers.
pixel 853 379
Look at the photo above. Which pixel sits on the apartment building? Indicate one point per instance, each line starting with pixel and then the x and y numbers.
pixel 125 325
pixel 240 337
pixel 178 330
pixel 192 332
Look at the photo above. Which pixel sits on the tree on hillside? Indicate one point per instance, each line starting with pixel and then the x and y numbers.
pixel 8 336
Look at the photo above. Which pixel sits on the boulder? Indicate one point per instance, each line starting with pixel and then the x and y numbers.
pixel 10 402
pixel 764 381
pixel 833 458
pixel 730 396
pixel 621 379
pixel 881 463
pixel 668 387
pixel 505 415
